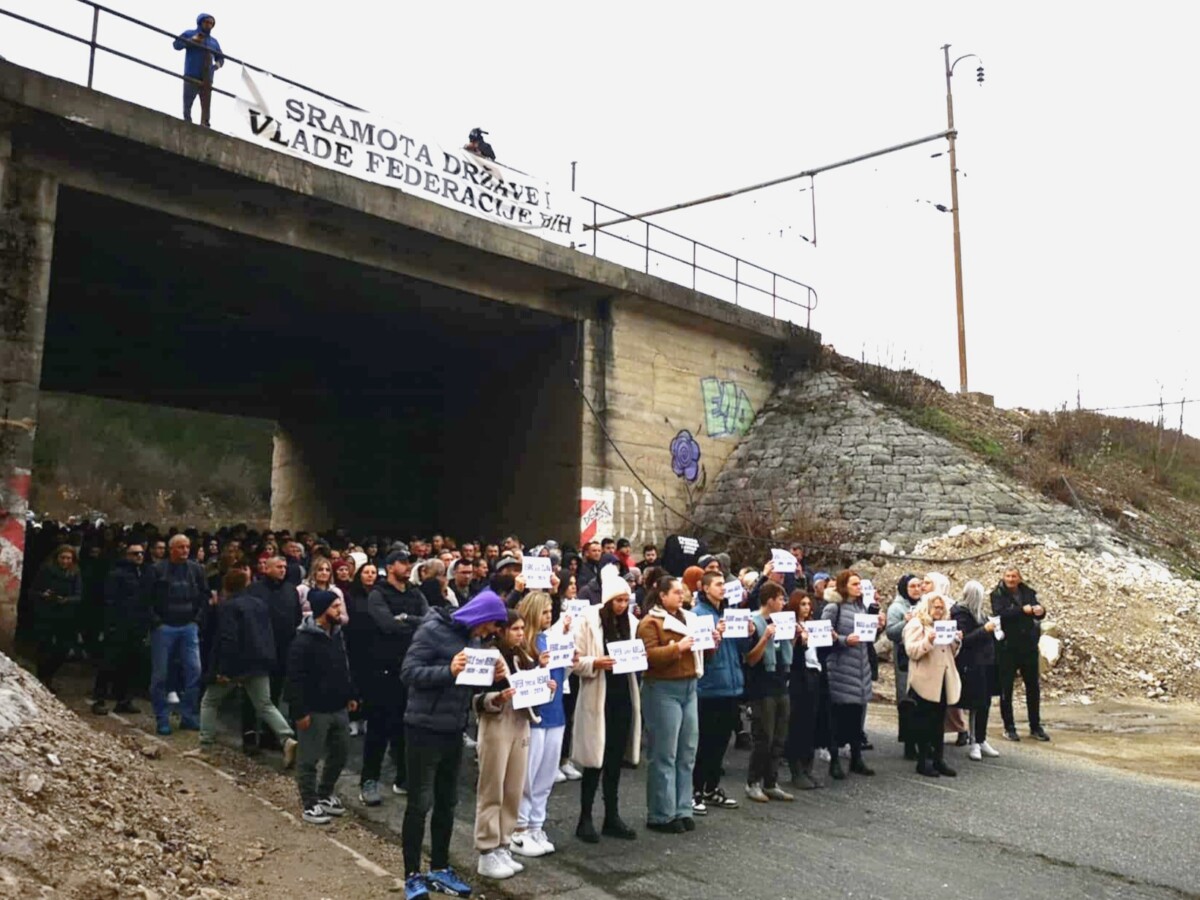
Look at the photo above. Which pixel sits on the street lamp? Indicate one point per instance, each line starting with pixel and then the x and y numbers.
pixel 958 279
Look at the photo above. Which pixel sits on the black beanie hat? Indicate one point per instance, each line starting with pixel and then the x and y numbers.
pixel 319 601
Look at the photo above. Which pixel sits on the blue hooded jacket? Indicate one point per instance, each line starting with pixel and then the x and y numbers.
pixel 723 669
pixel 195 60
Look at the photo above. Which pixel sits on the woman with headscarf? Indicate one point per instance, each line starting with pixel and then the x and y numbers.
pixel 58 592
pixel 976 667
pixel 849 666
pixel 908 594
pixel 608 715
pixel 933 682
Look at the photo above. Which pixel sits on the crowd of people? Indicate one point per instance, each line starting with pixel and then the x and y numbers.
pixel 325 638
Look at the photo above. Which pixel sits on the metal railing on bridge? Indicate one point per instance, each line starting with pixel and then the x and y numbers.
pixel 635 243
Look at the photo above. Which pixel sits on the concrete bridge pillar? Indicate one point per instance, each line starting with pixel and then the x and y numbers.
pixel 296 500
pixel 28 200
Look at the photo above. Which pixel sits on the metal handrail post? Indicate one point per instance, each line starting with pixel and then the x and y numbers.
pixel 693 265
pixel 92 46
pixel 736 282
pixel 647 248
pixel 595 231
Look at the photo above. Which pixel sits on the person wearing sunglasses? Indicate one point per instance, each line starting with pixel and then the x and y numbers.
pixel 125 625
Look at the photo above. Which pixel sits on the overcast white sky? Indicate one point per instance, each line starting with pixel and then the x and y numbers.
pixel 1078 206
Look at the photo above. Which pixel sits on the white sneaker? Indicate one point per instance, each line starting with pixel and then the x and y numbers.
pixel 572 773
pixel 173 699
pixel 507 856
pixel 492 865
pixel 988 750
pixel 524 843
pixel 469 742
pixel 354 729
pixel 755 792
pixel 540 836
pixel 559 776
pixel 974 753
pixel 822 755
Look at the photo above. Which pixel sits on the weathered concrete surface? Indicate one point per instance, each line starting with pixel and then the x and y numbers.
pixel 27 207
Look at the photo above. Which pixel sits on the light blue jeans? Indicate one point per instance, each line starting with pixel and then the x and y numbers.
pixel 168 643
pixel 672 733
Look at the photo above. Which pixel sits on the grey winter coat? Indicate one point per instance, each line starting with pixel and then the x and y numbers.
pixel 849 667
pixel 895 632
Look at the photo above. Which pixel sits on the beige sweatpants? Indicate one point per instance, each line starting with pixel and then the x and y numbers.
pixel 503 754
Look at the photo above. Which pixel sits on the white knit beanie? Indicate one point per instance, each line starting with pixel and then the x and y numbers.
pixel 612 584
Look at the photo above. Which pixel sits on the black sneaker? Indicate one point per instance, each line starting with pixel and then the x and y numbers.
pixel 689 824
pixel 1040 734
pixel 615 827
pixel 127 707
pixel 316 815
pixel 675 826
pixel 1011 735
pixel 716 798
pixel 963 739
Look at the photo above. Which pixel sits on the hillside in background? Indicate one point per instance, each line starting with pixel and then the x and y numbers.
pixel 134 462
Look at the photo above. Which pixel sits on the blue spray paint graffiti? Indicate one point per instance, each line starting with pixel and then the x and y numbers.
pixel 685 456
pixel 727 410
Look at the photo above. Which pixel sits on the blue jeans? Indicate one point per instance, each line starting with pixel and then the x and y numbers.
pixel 169 643
pixel 672 733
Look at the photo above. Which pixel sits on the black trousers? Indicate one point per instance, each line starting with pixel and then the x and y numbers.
pixel 905 712
pixel 929 725
pixel 386 700
pixel 120 664
pixel 433 760
pixel 718 721
pixel 1009 662
pixel 569 701
pixel 617 723
pixel 802 739
pixel 979 720
pixel 847 728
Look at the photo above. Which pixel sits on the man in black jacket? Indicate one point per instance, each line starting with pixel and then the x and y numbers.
pixel 126 621
pixel 320 695
pixel 283 605
pixel 395 608
pixel 243 657
pixel 176 591
pixel 1016 603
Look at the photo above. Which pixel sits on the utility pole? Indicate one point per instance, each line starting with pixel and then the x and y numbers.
pixel 958 276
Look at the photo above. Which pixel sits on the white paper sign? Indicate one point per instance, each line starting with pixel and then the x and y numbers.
pixel 533 688
pixel 537 571
pixel 945 631
pixel 820 633
pixel 737 623
pixel 735 594
pixel 575 609
pixel 562 651
pixel 866 626
pixel 785 624
pixel 782 560
pixel 481 667
pixel 868 590
pixel 701 630
pixel 998 634
pixel 629 656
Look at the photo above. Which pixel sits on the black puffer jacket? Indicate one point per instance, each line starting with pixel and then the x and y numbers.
pixel 389 637
pixel 176 593
pixel 245 642
pixel 123 606
pixel 1021 632
pixel 435 702
pixel 283 604
pixel 318 676
pixel 975 660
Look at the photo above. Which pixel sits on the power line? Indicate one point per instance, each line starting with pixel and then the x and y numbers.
pixel 1162 403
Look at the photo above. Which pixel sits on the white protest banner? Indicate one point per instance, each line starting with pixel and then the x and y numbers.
pixel 785 625
pixel 537 571
pixel 866 626
pixel 532 686
pixel 481 668
pixel 561 649
pixel 701 630
pixel 820 632
pixel 291 120
pixel 737 623
pixel 868 590
pixel 629 656
pixel 735 594
pixel 945 631
pixel 575 609
pixel 782 560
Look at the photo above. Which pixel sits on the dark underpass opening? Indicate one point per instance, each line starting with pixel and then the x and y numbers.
pixel 402 405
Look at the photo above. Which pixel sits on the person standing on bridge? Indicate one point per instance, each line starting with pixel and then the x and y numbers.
pixel 1020 612
pixel 200 63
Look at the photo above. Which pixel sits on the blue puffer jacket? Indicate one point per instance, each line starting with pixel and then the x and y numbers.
pixel 196 63
pixel 723 669
pixel 435 702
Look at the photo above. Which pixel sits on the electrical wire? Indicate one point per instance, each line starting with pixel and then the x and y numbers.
pixel 746 536
pixel 1162 403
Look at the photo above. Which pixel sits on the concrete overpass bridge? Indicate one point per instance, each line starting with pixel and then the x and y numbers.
pixel 421 363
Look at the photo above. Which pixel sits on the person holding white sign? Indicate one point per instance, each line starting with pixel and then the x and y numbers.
pixel 669 708
pixel 546 735
pixel 768 665
pixel 608 713
pixel 933 682
pixel 718 693
pixel 806 690
pixel 849 667
pixel 503 757
pixel 908 594
pixel 976 666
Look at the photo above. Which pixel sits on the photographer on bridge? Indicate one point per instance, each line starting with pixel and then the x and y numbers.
pixel 200 63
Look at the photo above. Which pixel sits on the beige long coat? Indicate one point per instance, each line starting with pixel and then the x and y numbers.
pixel 931 667
pixel 587 736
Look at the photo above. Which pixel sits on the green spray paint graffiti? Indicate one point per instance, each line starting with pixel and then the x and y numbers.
pixel 727 410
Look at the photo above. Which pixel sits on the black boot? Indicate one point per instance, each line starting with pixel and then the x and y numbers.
pixel 942 769
pixel 910 750
pixel 835 768
pixel 586 831
pixel 614 827
pixel 858 767
pixel 924 766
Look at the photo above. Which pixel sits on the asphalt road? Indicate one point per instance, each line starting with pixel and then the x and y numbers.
pixel 1029 824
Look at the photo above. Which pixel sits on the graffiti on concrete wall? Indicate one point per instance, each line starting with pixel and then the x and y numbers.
pixel 624 512
pixel 685 456
pixel 727 409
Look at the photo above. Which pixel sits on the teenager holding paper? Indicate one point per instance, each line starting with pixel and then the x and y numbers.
pixel 768 665
pixel 806 692
pixel 718 693
pixel 546 735
pixel 933 682
pixel 976 666
pixel 503 758
pixel 669 708
pixel 608 714
pixel 849 672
